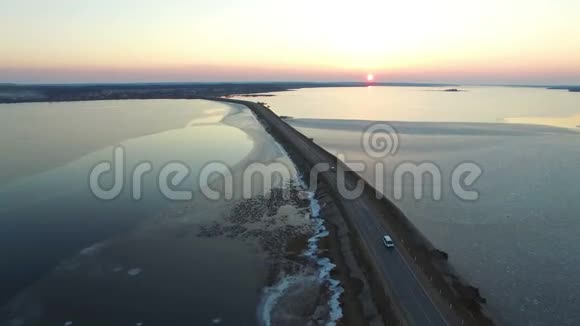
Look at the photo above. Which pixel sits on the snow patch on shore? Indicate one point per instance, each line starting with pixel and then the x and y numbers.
pixel 324 264
pixel 273 294
pixel 324 267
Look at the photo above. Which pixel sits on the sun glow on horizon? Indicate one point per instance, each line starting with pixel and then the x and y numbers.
pixel 370 78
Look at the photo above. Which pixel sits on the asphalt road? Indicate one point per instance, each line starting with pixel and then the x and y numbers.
pixel 402 285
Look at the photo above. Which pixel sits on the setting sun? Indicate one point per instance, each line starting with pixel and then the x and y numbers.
pixel 370 77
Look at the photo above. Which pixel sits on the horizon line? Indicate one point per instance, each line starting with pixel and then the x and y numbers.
pixel 225 82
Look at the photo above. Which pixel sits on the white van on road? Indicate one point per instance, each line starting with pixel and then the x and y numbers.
pixel 388 242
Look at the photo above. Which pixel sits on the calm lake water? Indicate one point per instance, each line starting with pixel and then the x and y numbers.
pixel 474 104
pixel 519 241
pixel 65 252
pixel 69 257
pixel 47 212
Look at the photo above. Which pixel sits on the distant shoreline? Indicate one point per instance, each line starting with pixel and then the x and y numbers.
pixel 12 93
pixel 18 93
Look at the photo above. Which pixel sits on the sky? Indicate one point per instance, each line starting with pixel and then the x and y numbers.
pixel 459 41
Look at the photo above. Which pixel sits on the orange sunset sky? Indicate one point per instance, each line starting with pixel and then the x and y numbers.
pixel 492 41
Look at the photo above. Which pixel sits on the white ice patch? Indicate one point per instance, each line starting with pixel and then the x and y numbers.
pixel 335 289
pixel 271 297
pixel 92 249
pixel 134 272
pixel 314 205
